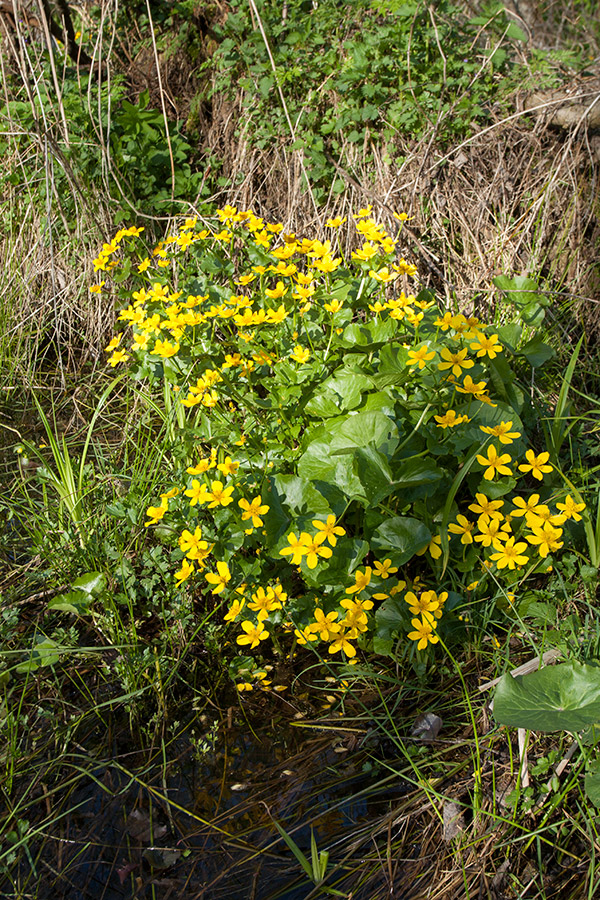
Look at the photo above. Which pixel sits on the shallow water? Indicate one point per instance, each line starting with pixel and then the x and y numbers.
pixel 201 824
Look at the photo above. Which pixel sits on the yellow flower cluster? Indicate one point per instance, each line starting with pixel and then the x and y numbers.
pixel 272 318
pixel 161 319
pixel 495 527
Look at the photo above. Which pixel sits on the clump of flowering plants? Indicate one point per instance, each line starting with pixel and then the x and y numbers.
pixel 352 467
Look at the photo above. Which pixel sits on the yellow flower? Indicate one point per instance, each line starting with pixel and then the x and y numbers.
pixel 361 580
pixel 300 355
pixel 433 547
pixel 253 510
pixel 420 357
pixel 307 634
pixel 367 252
pixel 234 610
pixel 329 529
pixel 471 387
pixel 313 548
pixel 118 357
pixel 228 467
pixel 335 223
pixel 254 634
pixel 427 602
pixel 356 618
pixel 187 569
pixel 166 349
pixel 450 419
pixel 97 288
pixel 502 432
pixel 155 513
pixel 486 507
pixel 334 306
pixel 463 527
pixel 264 602
pixel 278 291
pixel 510 555
pixel 341 642
pixel 219 495
pixel 525 507
pixel 384 569
pixel 547 539
pixel 570 508
pixel 487 346
pixel 491 531
pixel 193 546
pixel 456 362
pixel 198 493
pixel 327 263
pixel 445 322
pixel 296 547
pixel 275 316
pixel 220 578
pixel 494 463
pixel 203 466
pixel 383 275
pixel 536 464
pixel 423 632
pixel 325 625
pixel 114 343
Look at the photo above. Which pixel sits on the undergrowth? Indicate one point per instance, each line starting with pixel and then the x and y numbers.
pixel 172 696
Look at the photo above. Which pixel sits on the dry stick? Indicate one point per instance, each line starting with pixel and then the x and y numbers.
pixel 522 738
pixel 162 99
pixel 256 13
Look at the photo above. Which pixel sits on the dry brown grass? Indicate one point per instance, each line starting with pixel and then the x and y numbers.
pixel 519 197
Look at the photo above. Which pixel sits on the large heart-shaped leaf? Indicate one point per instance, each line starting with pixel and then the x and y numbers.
pixel 400 538
pixel 557 698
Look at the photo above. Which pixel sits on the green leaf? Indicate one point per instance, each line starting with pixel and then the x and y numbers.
pixel 515 33
pixel 400 538
pixel 45 652
pixel 323 406
pixel 93 583
pixel 533 314
pixel 510 335
pixel 350 386
pixel 300 496
pixel 536 352
pixel 77 602
pixel 318 465
pixel 520 290
pixel 363 429
pixel 592 782
pixel 374 472
pixel 390 619
pixel 415 472
pixel 556 698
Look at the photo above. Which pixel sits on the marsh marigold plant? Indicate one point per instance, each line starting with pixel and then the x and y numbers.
pixel 351 465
